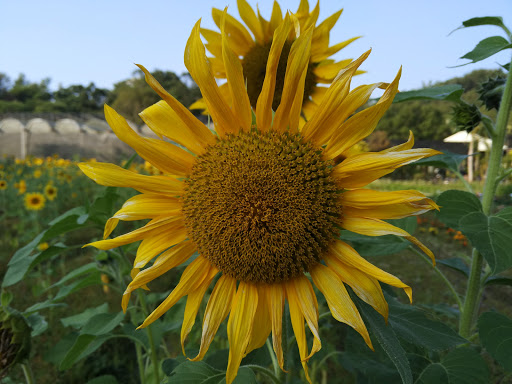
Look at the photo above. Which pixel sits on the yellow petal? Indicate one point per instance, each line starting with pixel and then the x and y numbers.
pixel 401 147
pixel 266 97
pixel 198 129
pixel 328 72
pixel 163 263
pixel 385 205
pixel 326 119
pixel 236 83
pixel 240 326
pixel 318 94
pixel 276 18
pixel 164 121
pixel 299 330
pixel 159 242
pixel 111 175
pixel 276 296
pixel 288 112
pixel 109 227
pixel 301 291
pixel 217 309
pixel 360 170
pixel 344 254
pixel 194 300
pixel 319 56
pixel 191 278
pixel 375 227
pixel 214 40
pixel 330 22
pixel 366 287
pixel 148 206
pixel 251 20
pixel 200 70
pixel 263 327
pixel 152 228
pixel 239 38
pixel 363 123
pixel 339 302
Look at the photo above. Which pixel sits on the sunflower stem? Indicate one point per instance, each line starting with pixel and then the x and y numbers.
pixel 265 371
pixel 154 357
pixel 273 357
pixel 140 363
pixel 27 371
pixel 473 292
pixel 441 275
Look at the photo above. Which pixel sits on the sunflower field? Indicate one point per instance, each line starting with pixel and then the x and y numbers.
pixel 269 245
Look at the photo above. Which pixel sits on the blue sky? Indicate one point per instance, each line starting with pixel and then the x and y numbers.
pixel 77 42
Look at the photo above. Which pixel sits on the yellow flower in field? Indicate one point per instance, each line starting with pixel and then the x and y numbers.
pixel 38 161
pixel 3 185
pixel 261 201
pixel 43 246
pixel 37 173
pixel 50 192
pixel 34 201
pixel 253 45
pixel 21 187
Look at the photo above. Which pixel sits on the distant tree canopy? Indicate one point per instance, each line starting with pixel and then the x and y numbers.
pixel 129 97
pixel 427 119
pixel 432 120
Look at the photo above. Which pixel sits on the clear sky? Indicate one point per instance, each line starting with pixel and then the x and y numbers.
pixel 79 41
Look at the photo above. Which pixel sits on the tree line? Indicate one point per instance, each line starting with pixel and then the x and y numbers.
pixel 430 120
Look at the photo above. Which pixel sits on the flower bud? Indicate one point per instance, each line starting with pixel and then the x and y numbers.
pixel 14 339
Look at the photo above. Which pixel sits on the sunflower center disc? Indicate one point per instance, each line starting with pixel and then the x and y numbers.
pixel 262 207
pixel 254 66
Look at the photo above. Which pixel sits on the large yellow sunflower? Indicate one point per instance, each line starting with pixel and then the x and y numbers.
pixel 252 45
pixel 261 201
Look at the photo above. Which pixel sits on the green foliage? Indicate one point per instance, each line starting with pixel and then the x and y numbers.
pixel 495 331
pixel 487 48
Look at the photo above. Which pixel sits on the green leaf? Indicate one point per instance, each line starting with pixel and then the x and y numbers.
pixel 105 379
pixel 455 263
pixel 73 355
pixel 17 270
pixel 486 48
pixel 433 374
pixel 451 92
pixel 387 339
pixel 455 205
pixel 38 324
pixel 94 333
pixel 487 20
pixel 168 365
pixel 495 331
pixel 6 298
pixel 84 269
pixel 505 214
pixel 87 281
pixel 194 373
pixel 499 280
pixel 412 325
pixel 465 366
pixel 492 237
pixel 447 160
pixel 102 323
pixel 79 320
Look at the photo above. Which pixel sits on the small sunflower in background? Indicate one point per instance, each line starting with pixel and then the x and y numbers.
pixel 43 246
pixel 261 200
pixel 50 192
pixel 252 45
pixel 34 201
pixel 3 185
pixel 37 174
pixel 21 186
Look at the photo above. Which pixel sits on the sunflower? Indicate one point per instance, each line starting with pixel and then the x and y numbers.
pixel 50 191
pixel 34 201
pixel 253 46
pixel 261 201
pixel 3 185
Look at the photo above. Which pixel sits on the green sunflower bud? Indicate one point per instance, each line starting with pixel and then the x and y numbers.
pixel 466 116
pixel 14 339
pixel 491 92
